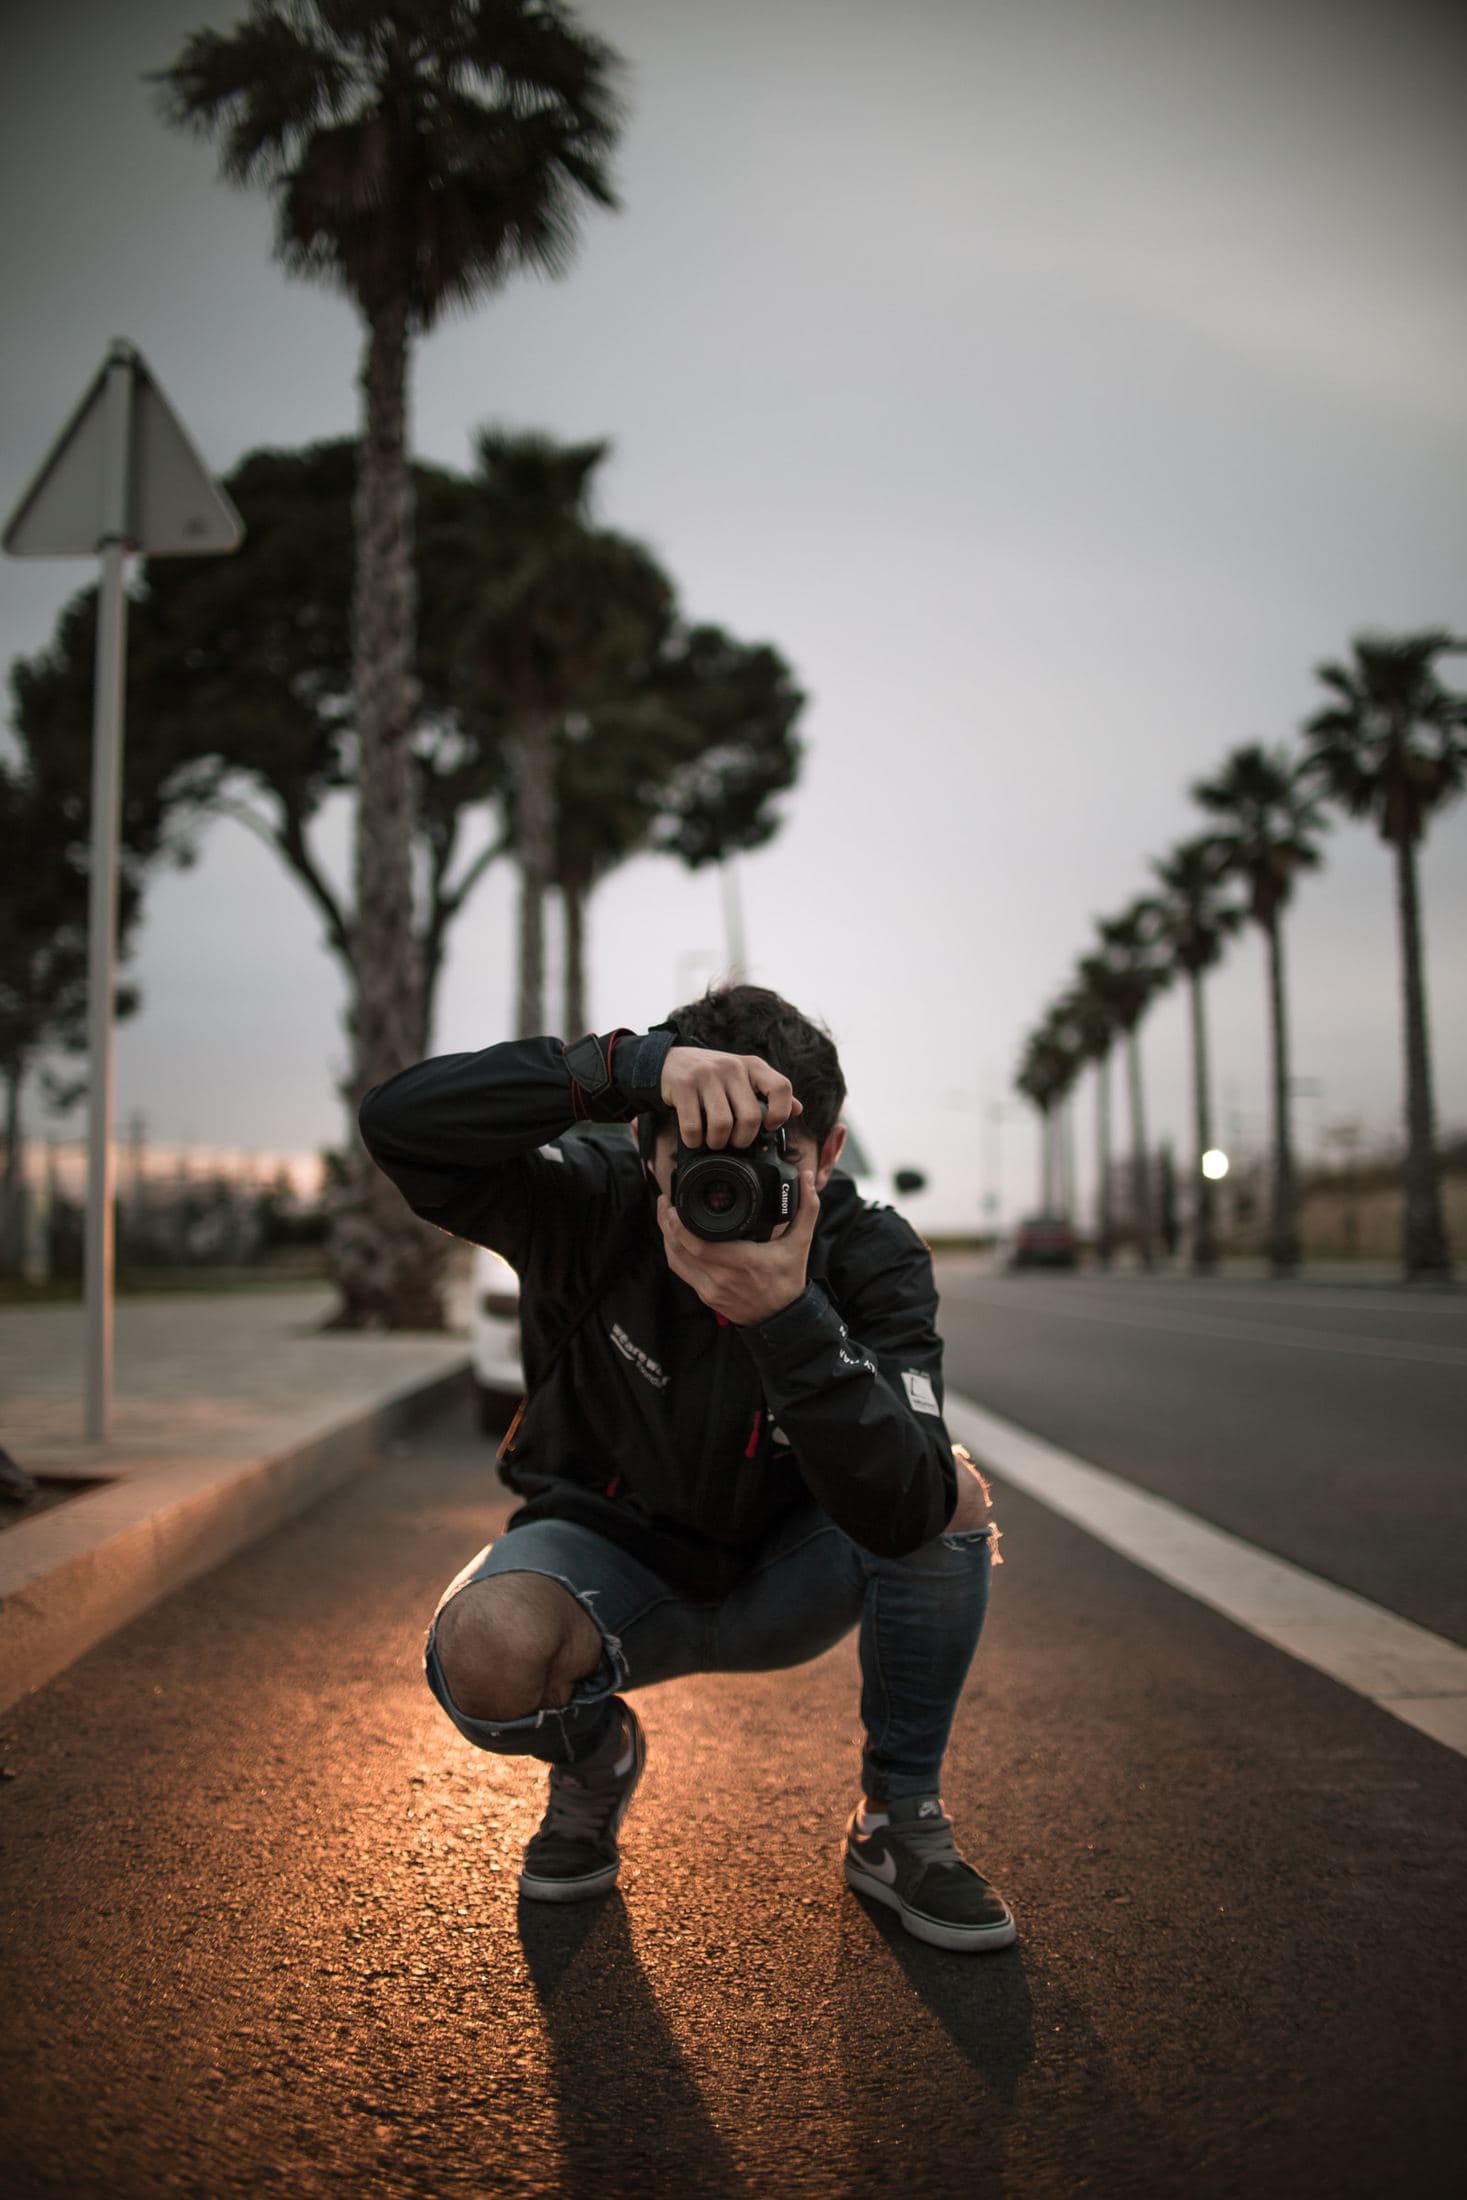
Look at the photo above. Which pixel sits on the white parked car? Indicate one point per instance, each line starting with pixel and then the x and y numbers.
pixel 494 1316
pixel 494 1334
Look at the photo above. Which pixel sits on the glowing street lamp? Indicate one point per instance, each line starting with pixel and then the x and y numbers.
pixel 1215 1164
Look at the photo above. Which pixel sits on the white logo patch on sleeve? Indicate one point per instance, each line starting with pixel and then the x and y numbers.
pixel 921 1396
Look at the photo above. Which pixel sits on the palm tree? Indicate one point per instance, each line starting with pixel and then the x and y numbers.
pixel 1193 920
pixel 1046 1072
pixel 1092 1003
pixel 1390 745
pixel 688 761
pixel 610 769
pixel 1268 837
pixel 1136 975
pixel 419 152
pixel 560 617
pixel 1068 1055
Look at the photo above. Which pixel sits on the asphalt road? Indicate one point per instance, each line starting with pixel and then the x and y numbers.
pixel 1326 1423
pixel 258 1929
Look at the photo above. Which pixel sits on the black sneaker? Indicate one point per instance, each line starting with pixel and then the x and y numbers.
pixel 913 1866
pixel 574 1855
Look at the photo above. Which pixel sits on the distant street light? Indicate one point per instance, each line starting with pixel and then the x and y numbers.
pixel 1215 1164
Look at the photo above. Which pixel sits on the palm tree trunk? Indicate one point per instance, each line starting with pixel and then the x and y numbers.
pixel 1104 1220
pixel 573 901
pixel 1204 1192
pixel 1140 1167
pixel 1283 1239
pixel 1066 1123
pixel 534 771
pixel 1425 1235
pixel 387 1264
pixel 10 1245
pixel 1046 1159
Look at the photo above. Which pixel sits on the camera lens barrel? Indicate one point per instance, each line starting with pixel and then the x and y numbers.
pixel 717 1195
pixel 736 1192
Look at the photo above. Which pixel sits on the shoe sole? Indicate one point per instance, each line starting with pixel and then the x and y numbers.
pixel 569 1890
pixel 960 1939
pixel 590 1884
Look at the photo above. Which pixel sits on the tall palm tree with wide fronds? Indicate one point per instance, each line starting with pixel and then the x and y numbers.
pixel 1194 919
pixel 1391 744
pixel 419 153
pixel 1136 974
pixel 1268 834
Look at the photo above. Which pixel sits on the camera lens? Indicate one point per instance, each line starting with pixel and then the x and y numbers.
pixel 716 1196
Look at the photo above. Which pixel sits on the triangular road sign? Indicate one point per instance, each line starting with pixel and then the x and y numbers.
pixel 174 508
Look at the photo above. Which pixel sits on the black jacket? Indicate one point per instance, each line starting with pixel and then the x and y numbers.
pixel 683 1439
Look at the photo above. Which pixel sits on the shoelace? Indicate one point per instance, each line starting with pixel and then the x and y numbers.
pixel 931 1839
pixel 577 1810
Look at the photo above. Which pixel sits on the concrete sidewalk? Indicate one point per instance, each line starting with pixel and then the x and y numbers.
pixel 232 1411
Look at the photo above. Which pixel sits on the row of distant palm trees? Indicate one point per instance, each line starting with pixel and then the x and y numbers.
pixel 1390 743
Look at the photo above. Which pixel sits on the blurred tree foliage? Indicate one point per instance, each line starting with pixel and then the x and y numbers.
pixel 691 765
pixel 43 917
pixel 557 617
pixel 660 736
pixel 625 730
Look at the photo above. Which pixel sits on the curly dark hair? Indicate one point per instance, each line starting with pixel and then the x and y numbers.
pixel 750 1019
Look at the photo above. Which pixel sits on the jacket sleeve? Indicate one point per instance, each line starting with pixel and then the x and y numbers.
pixel 858 1392
pixel 466 1137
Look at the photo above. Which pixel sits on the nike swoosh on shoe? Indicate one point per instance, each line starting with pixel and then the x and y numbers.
pixel 885 1871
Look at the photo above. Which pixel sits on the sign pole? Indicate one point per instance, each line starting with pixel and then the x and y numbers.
pixel 102 912
pixel 123 475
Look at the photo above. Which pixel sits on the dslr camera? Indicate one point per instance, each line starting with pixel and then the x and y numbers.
pixel 738 1191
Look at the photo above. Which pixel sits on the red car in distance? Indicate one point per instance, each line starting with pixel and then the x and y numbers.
pixel 1044 1241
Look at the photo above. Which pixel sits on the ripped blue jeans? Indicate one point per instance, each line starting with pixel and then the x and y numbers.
pixel 919 1616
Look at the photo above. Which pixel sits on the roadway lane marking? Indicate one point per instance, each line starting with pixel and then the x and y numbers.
pixel 1243 1332
pixel 1417 1676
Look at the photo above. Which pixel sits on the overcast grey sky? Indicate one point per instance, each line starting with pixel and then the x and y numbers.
pixel 1054 384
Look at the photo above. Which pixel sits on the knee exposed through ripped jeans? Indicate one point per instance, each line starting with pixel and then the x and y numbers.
pixel 557 1735
pixel 919 1618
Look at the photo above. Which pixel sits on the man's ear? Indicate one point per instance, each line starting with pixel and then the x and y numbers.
pixel 828 1156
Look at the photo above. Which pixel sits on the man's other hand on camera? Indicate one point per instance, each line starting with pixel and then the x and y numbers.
pixel 743 1281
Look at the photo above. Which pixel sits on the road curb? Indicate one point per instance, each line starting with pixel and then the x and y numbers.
pixel 142 1538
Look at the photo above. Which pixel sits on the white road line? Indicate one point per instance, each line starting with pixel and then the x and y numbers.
pixel 1244 1332
pixel 1405 1669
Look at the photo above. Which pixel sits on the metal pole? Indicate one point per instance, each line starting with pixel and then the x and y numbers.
pixel 733 922
pixel 102 905
pixel 993 1196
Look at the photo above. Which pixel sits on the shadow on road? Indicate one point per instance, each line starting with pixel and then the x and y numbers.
pixel 998 2079
pixel 982 2002
pixel 631 2115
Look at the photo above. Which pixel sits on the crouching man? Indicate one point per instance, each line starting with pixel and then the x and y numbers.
pixel 733 1450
